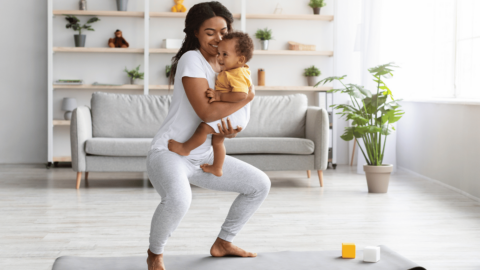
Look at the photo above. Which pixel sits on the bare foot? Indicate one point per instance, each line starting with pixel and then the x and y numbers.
pixel 154 261
pixel 178 148
pixel 222 248
pixel 213 170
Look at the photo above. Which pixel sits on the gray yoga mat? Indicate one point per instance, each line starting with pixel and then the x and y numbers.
pixel 304 260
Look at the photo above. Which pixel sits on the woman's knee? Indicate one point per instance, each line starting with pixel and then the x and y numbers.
pixel 177 204
pixel 262 183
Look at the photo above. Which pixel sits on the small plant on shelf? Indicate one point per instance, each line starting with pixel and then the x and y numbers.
pixel 74 23
pixel 264 35
pixel 312 71
pixel 316 5
pixel 168 68
pixel 312 74
pixel 372 116
pixel 134 74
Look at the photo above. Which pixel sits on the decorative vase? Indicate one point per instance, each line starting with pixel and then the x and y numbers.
pixel 132 80
pixel 80 40
pixel 261 77
pixel 378 177
pixel 316 10
pixel 312 80
pixel 82 5
pixel 68 115
pixel 264 44
pixel 68 105
pixel 122 5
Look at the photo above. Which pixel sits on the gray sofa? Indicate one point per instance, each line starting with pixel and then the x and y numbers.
pixel 283 134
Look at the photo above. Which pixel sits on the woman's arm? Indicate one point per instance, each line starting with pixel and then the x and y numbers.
pixel 195 89
pixel 227 97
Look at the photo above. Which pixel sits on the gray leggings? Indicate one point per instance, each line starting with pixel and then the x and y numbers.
pixel 172 174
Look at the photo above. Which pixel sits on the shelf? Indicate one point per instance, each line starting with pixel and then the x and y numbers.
pixel 292 52
pixel 109 13
pixel 293 88
pixel 173 51
pixel 61 122
pixel 290 17
pixel 260 52
pixel 161 50
pixel 179 15
pixel 62 159
pixel 165 87
pixel 97 50
pixel 141 14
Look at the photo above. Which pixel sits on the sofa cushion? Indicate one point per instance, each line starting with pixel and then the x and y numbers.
pixel 138 147
pixel 125 147
pixel 259 145
pixel 277 116
pixel 127 116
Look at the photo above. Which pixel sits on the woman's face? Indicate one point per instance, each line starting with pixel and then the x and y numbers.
pixel 210 34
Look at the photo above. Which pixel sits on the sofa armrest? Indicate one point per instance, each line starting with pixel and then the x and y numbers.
pixel 317 127
pixel 80 132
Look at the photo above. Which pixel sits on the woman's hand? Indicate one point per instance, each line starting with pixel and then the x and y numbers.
pixel 251 93
pixel 228 131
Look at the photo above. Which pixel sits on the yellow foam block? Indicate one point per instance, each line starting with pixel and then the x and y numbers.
pixel 348 250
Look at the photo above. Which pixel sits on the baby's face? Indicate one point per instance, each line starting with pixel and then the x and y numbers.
pixel 227 56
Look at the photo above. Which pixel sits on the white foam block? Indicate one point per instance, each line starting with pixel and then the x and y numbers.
pixel 371 254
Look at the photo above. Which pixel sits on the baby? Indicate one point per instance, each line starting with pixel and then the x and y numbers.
pixel 232 85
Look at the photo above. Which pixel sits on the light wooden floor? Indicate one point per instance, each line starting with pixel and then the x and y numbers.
pixel 44 217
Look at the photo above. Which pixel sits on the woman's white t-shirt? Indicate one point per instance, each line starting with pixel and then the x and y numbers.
pixel 182 121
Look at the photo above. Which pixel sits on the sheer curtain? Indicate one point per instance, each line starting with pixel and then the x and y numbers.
pixel 369 38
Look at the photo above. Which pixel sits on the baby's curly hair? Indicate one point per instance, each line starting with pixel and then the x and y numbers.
pixel 244 44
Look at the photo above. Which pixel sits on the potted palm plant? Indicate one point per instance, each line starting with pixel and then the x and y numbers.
pixel 316 5
pixel 372 117
pixel 312 74
pixel 264 35
pixel 134 74
pixel 73 22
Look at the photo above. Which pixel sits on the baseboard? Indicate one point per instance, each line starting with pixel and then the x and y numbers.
pixel 470 196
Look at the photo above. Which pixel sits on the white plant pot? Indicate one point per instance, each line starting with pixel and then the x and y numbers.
pixel 264 44
pixel 378 177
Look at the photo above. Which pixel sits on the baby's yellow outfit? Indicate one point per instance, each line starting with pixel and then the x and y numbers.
pixel 235 80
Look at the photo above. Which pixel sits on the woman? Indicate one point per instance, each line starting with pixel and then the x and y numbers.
pixel 193 72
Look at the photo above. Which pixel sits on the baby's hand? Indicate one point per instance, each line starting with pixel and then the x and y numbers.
pixel 213 95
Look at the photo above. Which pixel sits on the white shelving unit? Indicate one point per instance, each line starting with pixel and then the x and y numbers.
pixel 146 51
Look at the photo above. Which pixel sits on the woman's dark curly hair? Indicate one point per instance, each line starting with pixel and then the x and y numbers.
pixel 244 44
pixel 195 18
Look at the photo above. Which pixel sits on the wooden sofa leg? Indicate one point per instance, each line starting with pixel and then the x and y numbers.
pixel 320 177
pixel 86 176
pixel 308 174
pixel 79 179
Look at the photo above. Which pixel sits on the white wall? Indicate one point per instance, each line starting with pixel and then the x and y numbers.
pixel 440 141
pixel 23 90
pixel 24 131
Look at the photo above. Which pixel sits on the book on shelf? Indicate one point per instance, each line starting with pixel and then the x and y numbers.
pixel 105 84
pixel 69 82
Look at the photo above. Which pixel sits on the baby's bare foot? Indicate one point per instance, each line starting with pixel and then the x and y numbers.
pixel 155 261
pixel 178 148
pixel 222 248
pixel 211 169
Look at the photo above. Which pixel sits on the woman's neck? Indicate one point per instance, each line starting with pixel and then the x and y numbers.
pixel 211 59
